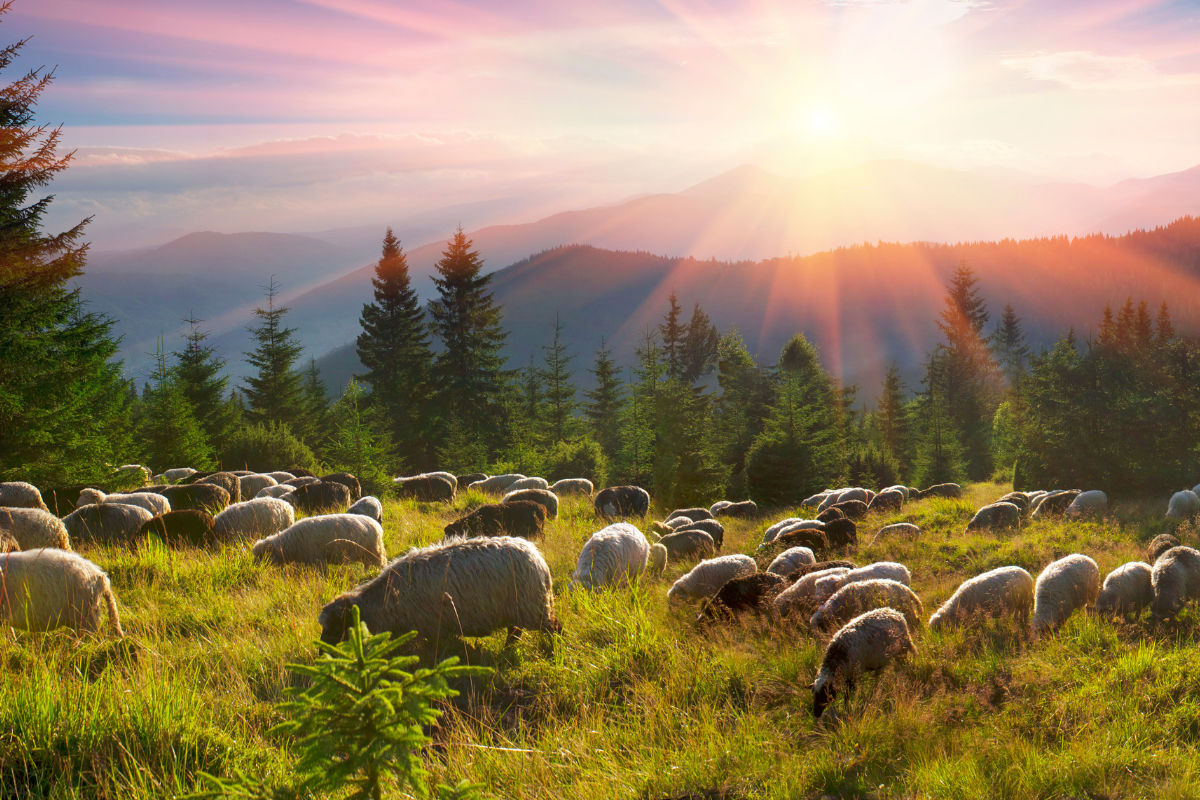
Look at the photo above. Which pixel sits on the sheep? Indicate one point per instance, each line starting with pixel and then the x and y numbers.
pixel 755 593
pixel 743 510
pixel 866 643
pixel 694 514
pixel 447 475
pixel 915 494
pixel 677 524
pixel 105 523
pixel 154 503
pixel 544 497
pixel 198 496
pixel 1090 505
pixel 786 562
pixel 1063 586
pixel 897 529
pixel 278 490
pixel 62 500
pixel 324 497
pixel 1159 545
pixel 615 555
pixel 573 486
pixel 254 519
pixel 460 587
pixel 1183 505
pixel 18 494
pixel 496 483
pixel 815 500
pixel 135 473
pixel 280 476
pixel 880 570
pixel 351 482
pixel 623 501
pixel 1127 590
pixel 33 528
pixel 996 516
pixel 801 595
pixel 889 500
pixel 43 589
pixel 1018 499
pixel 851 509
pixel 951 490
pixel 528 483
pixel 903 490
pixel 325 539
pixel 689 545
pixel 229 482
pixel 178 474
pixel 811 538
pixel 720 504
pixel 998 591
pixel 251 485
pixel 842 495
pixel 779 527
pixel 470 478
pixel 303 480
pixel 192 527
pixel 1055 503
pixel 523 518
pixel 857 598
pixel 807 569
pixel 707 577
pixel 841 533
pixel 301 472
pixel 426 488
pixel 1176 579
pixel 830 514
pixel 368 506
pixel 710 526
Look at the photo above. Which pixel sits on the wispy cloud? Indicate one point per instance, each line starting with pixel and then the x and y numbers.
pixel 1082 69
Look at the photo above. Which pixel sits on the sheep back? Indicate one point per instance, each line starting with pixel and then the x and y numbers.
pixel 789 560
pixel 950 490
pixel 746 509
pixel 496 483
pixel 800 596
pixel 18 494
pixel 887 500
pixel 351 483
pixel 325 539
pixel 522 518
pixel 707 577
pixel 841 533
pixel 229 482
pixel 33 528
pixel 622 501
pixel 368 506
pixel 710 526
pixel 544 497
pixel 105 523
pixel 996 516
pixel 689 545
pixel 251 485
pixel 190 527
pixel 1062 587
pixel 1175 579
pixel 528 483
pixel 1127 589
pixel 694 514
pixel 428 489
pixel 999 591
pixel 253 519
pixel 321 498
pixel 1183 505
pixel 197 497
pixel 754 593
pixel 48 588
pixel 857 598
pixel 865 644
pixel 611 557
pixel 851 509
pixel 580 486
pixel 1055 503
pixel 1088 505
pixel 1159 545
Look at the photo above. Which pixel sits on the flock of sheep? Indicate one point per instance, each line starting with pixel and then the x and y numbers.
pixel 488 575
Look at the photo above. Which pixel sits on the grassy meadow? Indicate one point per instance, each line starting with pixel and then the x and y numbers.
pixel 631 700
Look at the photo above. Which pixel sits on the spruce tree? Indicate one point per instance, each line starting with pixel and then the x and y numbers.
pixel 561 400
pixel 604 404
pixel 394 347
pixel 1164 331
pixel 1143 328
pixel 639 434
pixel 1008 345
pixel 469 371
pixel 199 371
pixel 64 411
pixel 701 343
pixel 358 442
pixel 673 332
pixel 893 420
pixel 1107 335
pixel 169 433
pixel 316 424
pixel 747 392
pixel 274 393
pixel 940 457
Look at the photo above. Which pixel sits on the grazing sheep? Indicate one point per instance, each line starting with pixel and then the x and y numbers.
pixel 44 589
pixel 710 526
pixel 470 478
pixel 197 496
pixel 1018 499
pixel 860 597
pixel 903 490
pixel 279 490
pixel 813 539
pixel 280 476
pixel 426 488
pixel 743 510
pixel 254 519
pixel 528 483
pixel 496 483
pixel 755 593
pixel 329 538
pixel 815 500
pixel 996 516
pixel 33 528
pixel 460 587
pixel 830 514
pixel 851 509
pixel 694 514
pixel 770 533
pixel 324 497
pixel 789 560
pixel 867 643
pixel 1127 590
pixel 1159 545
pixel 1183 505
pixel 898 529
pixel 888 500
pixel 615 555
pixel 544 497
pixel 229 482
pixel 1055 503
pixel 368 506
pixel 62 500
pixel 1004 590
pixel 105 523
pixel 840 495
pixel 1062 587
pixel 580 486
pixel 1088 505
pixel 841 533
pixel 192 528
pixel 447 475
pixel 18 494
pixel 178 474
pixel 154 503
pixel 689 545
pixel 351 482
pixel 720 504
pixel 880 570
pixel 707 577
pixel 304 480
pixel 677 524
pixel 523 518
pixel 801 595
pixel 251 485
pixel 131 475
pixel 951 490
pixel 1176 579
pixel 623 501
pixel 807 569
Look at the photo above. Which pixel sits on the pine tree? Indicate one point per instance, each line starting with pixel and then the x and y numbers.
pixel 1008 345
pixel 673 333
pixel 394 347
pixel 199 370
pixel 468 372
pixel 1143 328
pixel 316 424
pixel 561 401
pixel 893 419
pixel 1107 335
pixel 747 392
pixel 169 433
pixel 533 404
pixel 605 403
pixel 698 355
pixel 639 434
pixel 1164 331
pixel 64 411
pixel 274 393
pixel 359 441
pixel 940 454
pixel 1125 325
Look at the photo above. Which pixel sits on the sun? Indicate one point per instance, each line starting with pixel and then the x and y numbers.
pixel 821 122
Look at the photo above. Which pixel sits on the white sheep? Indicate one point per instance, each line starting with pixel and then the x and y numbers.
pixel 528 483
pixel 802 593
pixel 368 506
pixel 1090 505
pixel 1183 505
pixel 497 483
pixel 254 519
pixel 719 506
pixel 43 589
pixel 278 490
pixel 995 592
pixel 156 504
pixel 328 538
pixel 786 562
pixel 707 577
pixel 573 486
pixel 460 587
pixel 280 476
pixel 18 494
pixel 1062 587
pixel 178 474
pixel 678 523
pixel 616 555
pixel 790 524
pixel 866 643
pixel 996 515
pixel 815 500
pixel 105 523
pixel 1176 579
pixel 33 528
pixel 880 570
pixel 251 485
pixel 1127 589
pixel 898 488
pixel 862 596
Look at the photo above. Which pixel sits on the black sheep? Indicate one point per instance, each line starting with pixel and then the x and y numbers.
pixel 887 501
pixel 804 569
pixel 190 527
pixel 747 593
pixel 689 545
pixel 694 514
pixel 198 497
pixel 317 498
pixel 943 490
pixel 841 533
pixel 1158 545
pixel 622 501
pixel 830 514
pixel 710 526
pixel 300 472
pixel 62 500
pixel 471 477
pixel 743 510
pixel 852 509
pixel 344 478
pixel 300 480
pixel 427 488
pixel 227 481
pixel 523 518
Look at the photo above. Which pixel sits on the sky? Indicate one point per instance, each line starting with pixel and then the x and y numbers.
pixel 307 115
